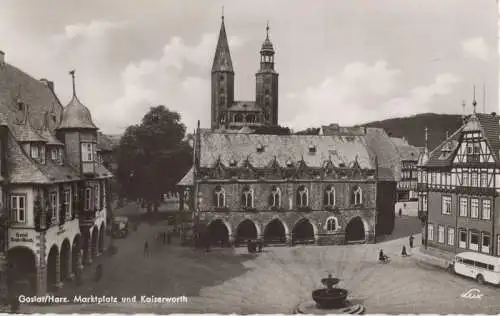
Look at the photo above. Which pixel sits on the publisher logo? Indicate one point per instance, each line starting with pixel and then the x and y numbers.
pixel 472 294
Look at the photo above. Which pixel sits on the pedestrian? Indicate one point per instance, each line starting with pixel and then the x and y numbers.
pixel 260 245
pixel 403 251
pixel 411 241
pixel 146 248
pixel 400 212
pixel 169 238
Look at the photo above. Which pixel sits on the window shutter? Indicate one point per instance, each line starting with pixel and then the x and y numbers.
pixel 326 193
pixel 270 200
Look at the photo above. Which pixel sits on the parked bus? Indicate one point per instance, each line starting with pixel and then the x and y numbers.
pixel 482 267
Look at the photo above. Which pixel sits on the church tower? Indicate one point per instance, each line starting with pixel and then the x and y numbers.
pixel 222 81
pixel 267 83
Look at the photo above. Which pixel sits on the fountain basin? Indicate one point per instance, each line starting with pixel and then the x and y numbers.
pixel 330 298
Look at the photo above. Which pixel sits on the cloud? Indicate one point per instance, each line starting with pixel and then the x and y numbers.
pixel 92 30
pixel 363 93
pixel 166 81
pixel 476 48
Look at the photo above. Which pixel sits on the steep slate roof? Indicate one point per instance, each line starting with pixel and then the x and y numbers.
pixel 24 132
pixel 488 124
pixel 294 148
pixel 408 152
pixel 187 180
pixel 385 150
pixel 102 172
pixel 222 58
pixel 15 85
pixel 20 168
pixel 47 134
pixel 59 173
pixel 76 115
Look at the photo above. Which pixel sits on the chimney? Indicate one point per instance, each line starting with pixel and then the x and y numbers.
pixel 2 57
pixel 48 83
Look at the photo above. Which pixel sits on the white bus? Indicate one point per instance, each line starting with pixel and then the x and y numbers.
pixel 483 268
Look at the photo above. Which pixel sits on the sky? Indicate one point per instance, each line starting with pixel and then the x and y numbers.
pixel 345 62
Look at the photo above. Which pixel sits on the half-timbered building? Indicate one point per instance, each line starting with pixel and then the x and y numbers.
pixel 54 188
pixel 458 188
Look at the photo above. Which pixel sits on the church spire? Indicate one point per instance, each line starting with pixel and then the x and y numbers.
pixel 222 58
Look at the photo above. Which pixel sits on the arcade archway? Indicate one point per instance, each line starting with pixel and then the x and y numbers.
pixel 303 232
pixel 355 230
pixel 101 238
pixel 65 259
pixel 75 253
pixel 218 233
pixel 21 276
pixel 52 268
pixel 94 242
pixel 246 230
pixel 275 232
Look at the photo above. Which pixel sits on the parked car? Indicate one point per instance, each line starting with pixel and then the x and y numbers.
pixel 120 227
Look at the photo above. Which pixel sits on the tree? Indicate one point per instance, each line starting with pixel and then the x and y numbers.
pixel 309 131
pixel 153 156
pixel 272 130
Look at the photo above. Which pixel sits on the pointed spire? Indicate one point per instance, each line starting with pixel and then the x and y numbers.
pixel 426 139
pixel 267 30
pixel 222 58
pixel 72 73
pixel 222 15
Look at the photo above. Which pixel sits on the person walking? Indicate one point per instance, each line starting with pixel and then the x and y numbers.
pixel 164 236
pixel 146 248
pixel 98 272
pixel 411 241
pixel 400 212
pixel 403 251
pixel 260 245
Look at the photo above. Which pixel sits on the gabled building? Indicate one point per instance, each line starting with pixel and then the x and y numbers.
pixel 284 188
pixel 407 173
pixel 458 188
pixel 54 189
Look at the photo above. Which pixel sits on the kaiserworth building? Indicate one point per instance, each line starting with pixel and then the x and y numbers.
pixel 279 188
pixel 458 184
pixel 54 190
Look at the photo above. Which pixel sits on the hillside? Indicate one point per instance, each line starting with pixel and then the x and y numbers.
pixel 412 127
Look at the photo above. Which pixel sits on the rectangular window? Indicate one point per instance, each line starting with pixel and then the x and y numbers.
pixel 53 205
pixel 430 232
pixel 18 208
pixel 42 154
pixel 486 214
pixel 474 208
pixel 446 205
pixel 424 176
pixel 474 241
pixel 473 179
pixel 88 152
pixel 463 206
pixel 441 234
pixel 35 153
pixel 451 236
pixel 53 154
pixel 485 243
pixel 97 197
pixel 88 199
pixel 67 202
pixel 424 206
pixel 433 178
pixel 484 179
pixel 465 179
pixel 448 179
pixel 463 239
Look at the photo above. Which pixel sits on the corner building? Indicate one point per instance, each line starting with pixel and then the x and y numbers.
pixel 458 189
pixel 54 188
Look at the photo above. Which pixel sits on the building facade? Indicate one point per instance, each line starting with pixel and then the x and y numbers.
pixel 54 189
pixel 458 189
pixel 226 112
pixel 407 173
pixel 285 188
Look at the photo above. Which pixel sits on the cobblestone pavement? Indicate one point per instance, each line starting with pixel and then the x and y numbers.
pixel 232 281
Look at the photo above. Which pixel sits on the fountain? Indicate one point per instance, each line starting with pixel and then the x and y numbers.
pixel 330 300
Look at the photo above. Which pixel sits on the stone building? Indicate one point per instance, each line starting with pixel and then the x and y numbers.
pixel 226 112
pixel 285 188
pixel 458 188
pixel 54 189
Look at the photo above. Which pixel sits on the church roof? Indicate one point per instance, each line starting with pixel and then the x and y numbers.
pixel 284 148
pixel 222 58
pixel 245 106
pixel 47 134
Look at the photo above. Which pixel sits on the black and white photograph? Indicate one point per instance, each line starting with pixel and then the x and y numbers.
pixel 250 157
